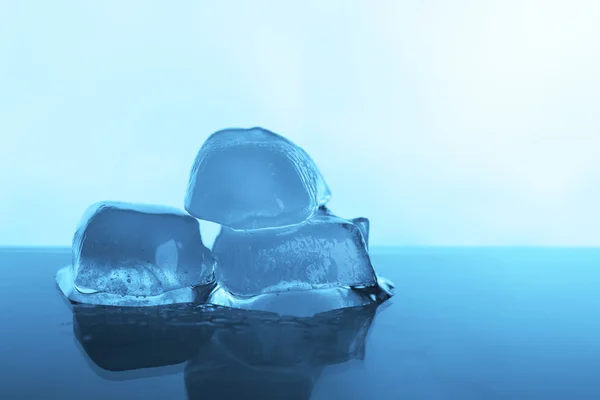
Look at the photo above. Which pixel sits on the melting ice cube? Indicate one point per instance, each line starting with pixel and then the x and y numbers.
pixel 323 252
pixel 136 254
pixel 254 178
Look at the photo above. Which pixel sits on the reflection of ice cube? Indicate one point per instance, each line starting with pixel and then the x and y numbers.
pixel 323 252
pixel 118 339
pixel 255 356
pixel 363 225
pixel 232 353
pixel 254 178
pixel 130 254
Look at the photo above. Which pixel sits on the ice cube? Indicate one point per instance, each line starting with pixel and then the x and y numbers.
pixel 361 222
pixel 136 255
pixel 323 252
pixel 254 178
pixel 306 303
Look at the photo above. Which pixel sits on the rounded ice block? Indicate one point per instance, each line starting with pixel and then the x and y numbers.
pixel 323 252
pixel 252 179
pixel 135 255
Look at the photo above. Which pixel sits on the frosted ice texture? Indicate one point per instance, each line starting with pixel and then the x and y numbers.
pixel 323 252
pixel 136 254
pixel 254 178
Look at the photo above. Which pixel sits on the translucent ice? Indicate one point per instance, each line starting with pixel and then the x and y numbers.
pixel 306 303
pixel 323 252
pixel 129 338
pixel 136 255
pixel 254 178
pixel 361 222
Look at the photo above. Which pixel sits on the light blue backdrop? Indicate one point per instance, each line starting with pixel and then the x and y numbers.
pixel 444 122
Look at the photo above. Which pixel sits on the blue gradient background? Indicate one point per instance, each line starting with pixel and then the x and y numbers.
pixel 445 123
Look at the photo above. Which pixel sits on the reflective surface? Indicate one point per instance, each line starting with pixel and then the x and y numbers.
pixel 464 324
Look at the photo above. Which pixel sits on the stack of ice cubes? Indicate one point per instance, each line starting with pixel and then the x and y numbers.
pixel 280 248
